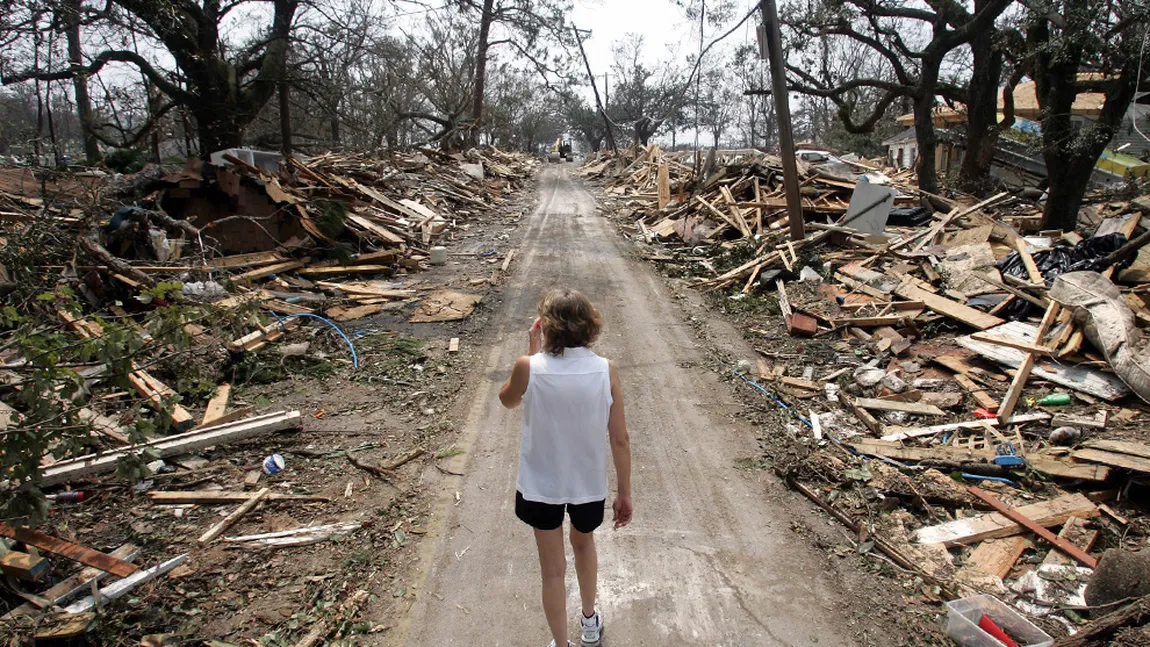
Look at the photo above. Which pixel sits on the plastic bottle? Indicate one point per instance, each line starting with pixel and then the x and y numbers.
pixel 1054 400
pixel 71 496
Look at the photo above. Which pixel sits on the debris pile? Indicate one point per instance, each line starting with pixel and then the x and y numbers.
pixel 132 302
pixel 963 391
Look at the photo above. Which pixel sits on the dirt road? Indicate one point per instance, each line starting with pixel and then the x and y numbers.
pixel 709 559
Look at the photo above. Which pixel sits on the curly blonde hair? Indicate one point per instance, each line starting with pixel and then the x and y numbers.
pixel 568 320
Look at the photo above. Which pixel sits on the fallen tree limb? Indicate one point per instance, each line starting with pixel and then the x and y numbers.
pixel 1100 632
pixel 91 242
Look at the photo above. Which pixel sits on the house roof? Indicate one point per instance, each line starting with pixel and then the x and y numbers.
pixel 905 136
pixel 1086 104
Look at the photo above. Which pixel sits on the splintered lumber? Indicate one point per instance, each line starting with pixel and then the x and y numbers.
pixel 254 259
pixel 1087 380
pixel 121 587
pixel 257 339
pixel 104 426
pixel 1113 459
pixel 1014 343
pixel 344 269
pixel 69 470
pixel 892 405
pixel 1028 262
pixel 340 313
pixel 453 345
pixel 1120 447
pixel 979 393
pixel 970 530
pixel 1023 374
pixel 507 261
pixel 74 584
pixel 1046 464
pixel 902 433
pixel 267 271
pixel 236 515
pixel 67 549
pixel 370 290
pixel 23 566
pixel 997 556
pixel 218 405
pixel 1017 516
pixel 220 497
pixel 1075 532
pixel 865 417
pixel 947 307
pixel 663 185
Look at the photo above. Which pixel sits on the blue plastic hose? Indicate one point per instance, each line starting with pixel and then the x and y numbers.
pixel 351 346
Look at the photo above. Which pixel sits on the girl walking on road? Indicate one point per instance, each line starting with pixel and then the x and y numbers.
pixel 572 413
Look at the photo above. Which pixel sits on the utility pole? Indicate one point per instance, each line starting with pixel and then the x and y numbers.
pixel 774 42
pixel 606 92
pixel 595 88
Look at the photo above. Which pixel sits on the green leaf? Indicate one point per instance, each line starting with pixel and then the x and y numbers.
pixel 46 296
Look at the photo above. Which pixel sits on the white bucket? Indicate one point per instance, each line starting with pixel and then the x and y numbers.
pixel 438 255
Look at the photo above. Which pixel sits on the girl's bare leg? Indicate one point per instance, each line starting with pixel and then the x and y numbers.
pixel 586 568
pixel 553 564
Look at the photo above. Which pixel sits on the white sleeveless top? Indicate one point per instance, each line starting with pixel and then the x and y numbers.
pixel 563 452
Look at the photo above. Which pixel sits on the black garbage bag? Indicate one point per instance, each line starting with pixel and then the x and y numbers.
pixel 1088 255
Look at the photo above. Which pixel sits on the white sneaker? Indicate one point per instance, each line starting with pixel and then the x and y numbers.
pixel 569 643
pixel 591 630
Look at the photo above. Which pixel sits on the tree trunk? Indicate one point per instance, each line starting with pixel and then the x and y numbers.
pixel 80 84
pixel 480 78
pixel 927 141
pixel 982 110
pixel 285 118
pixel 1101 632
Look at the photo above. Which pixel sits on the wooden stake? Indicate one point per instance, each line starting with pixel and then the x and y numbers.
pixel 226 522
pixel 1023 371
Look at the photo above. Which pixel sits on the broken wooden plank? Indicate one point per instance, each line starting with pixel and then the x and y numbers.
pixel 1075 532
pixel 1024 346
pixel 23 566
pixel 507 261
pixel 236 515
pixel 67 549
pixel 64 471
pixel 997 556
pixel 340 313
pixel 453 345
pixel 1087 380
pixel 254 259
pixel 257 339
pixel 979 393
pixel 1027 364
pixel 221 497
pixel 344 269
pixel 371 290
pixel 902 433
pixel 121 587
pixel 865 417
pixel 1120 447
pixel 970 530
pixel 1113 459
pixel 1017 516
pixel 1028 262
pixel 892 405
pixel 947 307
pixel 218 405
pixel 264 272
pixel 1046 464
pixel 73 585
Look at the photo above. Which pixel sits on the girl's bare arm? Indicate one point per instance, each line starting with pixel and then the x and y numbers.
pixel 620 451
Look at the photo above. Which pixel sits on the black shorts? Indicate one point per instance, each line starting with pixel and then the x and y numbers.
pixel 585 517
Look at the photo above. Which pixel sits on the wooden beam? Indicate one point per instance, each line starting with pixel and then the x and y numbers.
pixel 1114 459
pixel 264 272
pixel 343 269
pixel 1023 373
pixel 1015 515
pixel 218 405
pixel 69 470
pixel 1014 343
pixel 236 515
pixel 1051 465
pixel 73 585
pixel 978 392
pixel 908 407
pixel 67 549
pixel 220 497
pixel 1028 262
pixel 952 309
pixel 970 530
pixel 119 588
